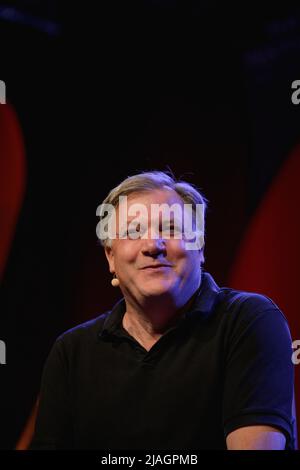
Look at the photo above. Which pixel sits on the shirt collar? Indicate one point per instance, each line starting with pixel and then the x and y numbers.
pixel 202 307
pixel 206 299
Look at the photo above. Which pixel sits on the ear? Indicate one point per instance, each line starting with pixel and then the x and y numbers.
pixel 110 258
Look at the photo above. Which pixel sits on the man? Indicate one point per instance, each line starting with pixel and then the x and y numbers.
pixel 178 363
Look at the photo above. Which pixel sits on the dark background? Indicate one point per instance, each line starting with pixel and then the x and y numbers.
pixel 102 93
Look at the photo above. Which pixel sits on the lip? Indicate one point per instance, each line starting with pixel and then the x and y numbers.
pixel 157 266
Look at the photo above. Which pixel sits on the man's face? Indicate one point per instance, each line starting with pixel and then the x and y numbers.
pixel 154 267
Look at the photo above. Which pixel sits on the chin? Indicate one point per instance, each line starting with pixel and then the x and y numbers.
pixel 155 289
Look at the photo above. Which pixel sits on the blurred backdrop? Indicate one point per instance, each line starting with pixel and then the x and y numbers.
pixel 97 94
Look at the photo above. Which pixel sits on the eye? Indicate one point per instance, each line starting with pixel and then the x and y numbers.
pixel 128 233
pixel 172 230
pixel 132 232
pixel 136 231
pixel 176 230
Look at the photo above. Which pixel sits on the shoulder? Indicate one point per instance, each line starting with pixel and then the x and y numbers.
pixel 239 297
pixel 227 304
pixel 74 347
pixel 88 330
pixel 247 303
pixel 242 311
pixel 253 316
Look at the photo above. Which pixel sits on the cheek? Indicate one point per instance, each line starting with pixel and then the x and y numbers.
pixel 176 249
pixel 125 253
pixel 187 259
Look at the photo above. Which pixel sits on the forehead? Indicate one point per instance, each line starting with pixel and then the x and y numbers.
pixel 155 196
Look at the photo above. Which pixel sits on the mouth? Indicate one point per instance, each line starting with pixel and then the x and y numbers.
pixel 156 266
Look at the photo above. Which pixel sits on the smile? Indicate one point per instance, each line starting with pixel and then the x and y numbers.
pixel 157 266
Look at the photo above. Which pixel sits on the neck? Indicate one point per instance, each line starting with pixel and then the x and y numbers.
pixel 148 322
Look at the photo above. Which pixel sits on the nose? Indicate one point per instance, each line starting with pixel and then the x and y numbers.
pixel 154 247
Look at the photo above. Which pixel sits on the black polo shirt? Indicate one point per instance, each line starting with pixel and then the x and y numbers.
pixel 224 365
